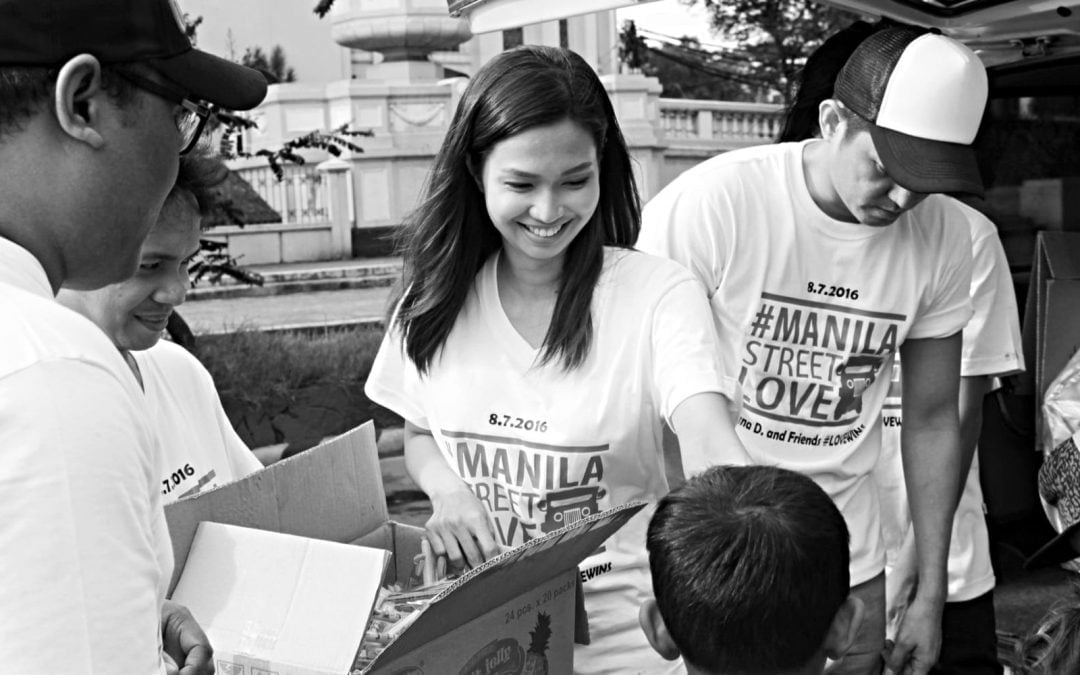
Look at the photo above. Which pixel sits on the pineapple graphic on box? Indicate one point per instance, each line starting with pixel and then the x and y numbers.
pixel 536 662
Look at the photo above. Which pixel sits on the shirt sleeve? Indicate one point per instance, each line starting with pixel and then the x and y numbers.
pixel 394 381
pixel 686 350
pixel 992 336
pixel 79 525
pixel 947 308
pixel 686 225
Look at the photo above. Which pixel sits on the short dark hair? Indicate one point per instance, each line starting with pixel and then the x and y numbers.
pixel 853 121
pixel 22 92
pixel 749 568
pixel 25 89
pixel 199 175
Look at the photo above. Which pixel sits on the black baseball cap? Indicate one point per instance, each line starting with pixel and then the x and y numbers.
pixel 924 95
pixel 49 32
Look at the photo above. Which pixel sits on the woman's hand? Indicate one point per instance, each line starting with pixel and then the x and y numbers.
pixel 460 528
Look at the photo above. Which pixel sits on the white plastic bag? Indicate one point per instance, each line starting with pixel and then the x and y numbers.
pixel 1059 477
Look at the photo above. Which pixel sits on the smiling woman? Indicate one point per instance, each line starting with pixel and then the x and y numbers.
pixel 533 354
pixel 541 187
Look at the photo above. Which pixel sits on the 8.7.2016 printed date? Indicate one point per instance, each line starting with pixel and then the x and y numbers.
pixel 511 422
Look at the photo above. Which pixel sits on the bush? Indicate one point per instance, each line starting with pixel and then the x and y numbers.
pixel 295 387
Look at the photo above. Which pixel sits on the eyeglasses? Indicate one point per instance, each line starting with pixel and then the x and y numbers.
pixel 190 118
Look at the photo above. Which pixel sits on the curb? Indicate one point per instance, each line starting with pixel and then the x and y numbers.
pixel 231 291
pixel 314 327
pixel 324 270
pixel 343 272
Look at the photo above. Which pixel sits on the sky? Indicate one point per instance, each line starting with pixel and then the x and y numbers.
pixel 670 17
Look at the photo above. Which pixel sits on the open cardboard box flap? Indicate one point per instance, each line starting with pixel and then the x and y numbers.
pixel 1061 253
pixel 1051 333
pixel 264 597
pixel 334 492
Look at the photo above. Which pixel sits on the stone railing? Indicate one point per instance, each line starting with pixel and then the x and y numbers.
pixel 315 202
pixel 300 197
pixel 381 184
pixel 723 125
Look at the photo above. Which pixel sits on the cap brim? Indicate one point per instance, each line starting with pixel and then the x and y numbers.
pixel 927 166
pixel 1061 548
pixel 214 79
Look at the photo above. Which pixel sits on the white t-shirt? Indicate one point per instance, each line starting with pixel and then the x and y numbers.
pixel 85 553
pixel 992 348
pixel 811 312
pixel 542 447
pixel 200 448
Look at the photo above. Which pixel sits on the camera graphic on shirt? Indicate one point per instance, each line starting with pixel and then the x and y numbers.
pixel 568 506
pixel 856 374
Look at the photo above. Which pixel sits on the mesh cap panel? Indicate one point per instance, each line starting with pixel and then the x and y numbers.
pixel 861 83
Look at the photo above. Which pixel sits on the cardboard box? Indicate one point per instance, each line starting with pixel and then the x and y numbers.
pixel 1051 332
pixel 484 623
pixel 266 592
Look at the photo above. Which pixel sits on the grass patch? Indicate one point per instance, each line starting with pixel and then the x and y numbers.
pixel 295 387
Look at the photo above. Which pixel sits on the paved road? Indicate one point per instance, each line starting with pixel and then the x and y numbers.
pixel 275 311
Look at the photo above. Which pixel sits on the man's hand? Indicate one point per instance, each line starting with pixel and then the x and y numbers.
pixel 918 640
pixel 930 449
pixel 185 642
pixel 901 584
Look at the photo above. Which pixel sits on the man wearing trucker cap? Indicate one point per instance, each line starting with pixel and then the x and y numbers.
pixel 823 260
pixel 97 100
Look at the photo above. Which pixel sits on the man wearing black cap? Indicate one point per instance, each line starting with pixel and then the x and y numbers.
pixel 97 100
pixel 825 259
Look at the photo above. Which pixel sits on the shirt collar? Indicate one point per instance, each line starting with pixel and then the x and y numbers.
pixel 19 268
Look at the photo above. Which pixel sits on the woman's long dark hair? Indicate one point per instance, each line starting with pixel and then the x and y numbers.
pixel 817 77
pixel 448 238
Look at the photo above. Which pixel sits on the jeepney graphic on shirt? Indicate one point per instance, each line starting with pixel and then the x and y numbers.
pixel 811 363
pixel 529 488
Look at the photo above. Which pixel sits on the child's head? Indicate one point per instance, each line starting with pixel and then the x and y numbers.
pixel 750 574
pixel 533 163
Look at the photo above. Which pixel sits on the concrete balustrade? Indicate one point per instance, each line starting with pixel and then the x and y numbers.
pixel 381 184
